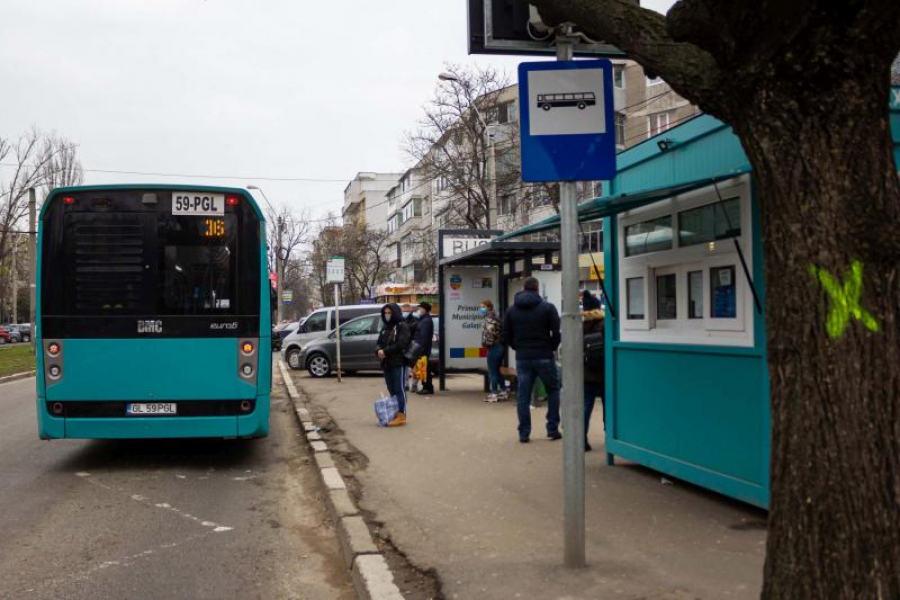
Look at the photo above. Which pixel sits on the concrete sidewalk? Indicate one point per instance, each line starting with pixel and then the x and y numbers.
pixel 457 492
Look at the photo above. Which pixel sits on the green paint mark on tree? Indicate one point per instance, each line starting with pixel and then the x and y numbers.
pixel 844 300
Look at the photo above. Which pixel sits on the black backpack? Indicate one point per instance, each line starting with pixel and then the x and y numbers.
pixel 593 350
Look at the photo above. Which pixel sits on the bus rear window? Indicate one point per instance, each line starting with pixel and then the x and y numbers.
pixel 145 264
pixel 196 264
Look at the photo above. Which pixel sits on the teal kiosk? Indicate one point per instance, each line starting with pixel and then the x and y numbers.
pixel 687 389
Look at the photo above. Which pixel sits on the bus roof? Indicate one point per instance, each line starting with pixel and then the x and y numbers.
pixel 171 187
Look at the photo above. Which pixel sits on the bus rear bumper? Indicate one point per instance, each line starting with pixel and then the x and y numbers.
pixel 252 425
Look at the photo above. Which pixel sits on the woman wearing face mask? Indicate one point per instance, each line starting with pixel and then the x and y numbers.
pixel 392 343
pixel 491 336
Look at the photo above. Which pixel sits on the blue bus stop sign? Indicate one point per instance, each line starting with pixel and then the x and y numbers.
pixel 567 121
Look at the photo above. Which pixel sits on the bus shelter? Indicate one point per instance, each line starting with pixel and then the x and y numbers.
pixel 483 272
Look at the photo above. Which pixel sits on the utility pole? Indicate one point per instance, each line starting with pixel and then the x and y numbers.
pixel 32 262
pixel 15 279
pixel 492 173
pixel 572 365
pixel 279 259
pixel 279 267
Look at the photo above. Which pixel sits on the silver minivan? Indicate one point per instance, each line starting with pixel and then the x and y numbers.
pixel 317 324
pixel 359 342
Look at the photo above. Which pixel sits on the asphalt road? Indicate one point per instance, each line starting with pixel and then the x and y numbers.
pixel 151 519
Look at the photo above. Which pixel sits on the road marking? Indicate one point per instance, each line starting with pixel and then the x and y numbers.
pixel 126 561
pixel 216 527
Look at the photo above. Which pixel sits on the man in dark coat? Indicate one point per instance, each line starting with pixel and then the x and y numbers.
pixel 423 336
pixel 531 328
pixel 393 340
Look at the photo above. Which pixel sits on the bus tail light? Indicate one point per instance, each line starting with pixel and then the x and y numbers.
pixel 232 201
pixel 53 361
pixel 247 354
pixel 68 200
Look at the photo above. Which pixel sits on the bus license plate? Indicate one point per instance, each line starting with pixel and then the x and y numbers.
pixel 152 408
pixel 199 204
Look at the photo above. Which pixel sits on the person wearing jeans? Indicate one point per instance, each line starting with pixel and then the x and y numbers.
pixel 491 334
pixel 393 340
pixel 531 328
pixel 526 372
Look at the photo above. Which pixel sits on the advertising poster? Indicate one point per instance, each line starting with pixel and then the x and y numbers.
pixel 466 288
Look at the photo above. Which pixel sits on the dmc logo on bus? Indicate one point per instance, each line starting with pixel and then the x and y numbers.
pixel 149 326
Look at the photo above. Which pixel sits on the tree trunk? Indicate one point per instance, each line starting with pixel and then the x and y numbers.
pixel 830 199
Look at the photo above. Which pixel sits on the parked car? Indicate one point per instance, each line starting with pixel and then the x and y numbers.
pixel 24 331
pixel 280 332
pixel 317 324
pixel 358 340
pixel 6 337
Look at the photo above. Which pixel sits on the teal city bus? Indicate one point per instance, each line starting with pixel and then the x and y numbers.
pixel 153 313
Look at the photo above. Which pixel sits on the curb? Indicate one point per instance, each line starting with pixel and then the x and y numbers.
pixel 372 577
pixel 16 377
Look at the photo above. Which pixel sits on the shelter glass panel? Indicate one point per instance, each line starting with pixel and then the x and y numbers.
pixel 649 236
pixel 710 223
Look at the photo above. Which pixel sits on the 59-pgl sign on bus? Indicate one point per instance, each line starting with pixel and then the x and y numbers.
pixel 193 203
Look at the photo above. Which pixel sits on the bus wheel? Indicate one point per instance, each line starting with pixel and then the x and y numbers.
pixel 318 365
pixel 293 359
pixel 545 106
pixel 581 105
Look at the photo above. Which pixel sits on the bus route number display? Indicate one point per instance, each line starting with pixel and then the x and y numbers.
pixel 198 204
pixel 213 228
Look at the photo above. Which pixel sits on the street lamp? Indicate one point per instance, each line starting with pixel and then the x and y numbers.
pixel 279 260
pixel 492 154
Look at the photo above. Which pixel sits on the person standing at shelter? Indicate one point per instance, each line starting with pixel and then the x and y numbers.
pixel 594 364
pixel 491 338
pixel 411 320
pixel 393 340
pixel 423 337
pixel 531 328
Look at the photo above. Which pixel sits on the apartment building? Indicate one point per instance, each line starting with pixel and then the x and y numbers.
pixel 645 106
pixel 365 198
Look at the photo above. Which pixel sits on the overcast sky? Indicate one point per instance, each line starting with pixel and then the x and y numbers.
pixel 237 89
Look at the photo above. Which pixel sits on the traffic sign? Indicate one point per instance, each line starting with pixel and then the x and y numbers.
pixel 567 121
pixel 334 270
pixel 287 296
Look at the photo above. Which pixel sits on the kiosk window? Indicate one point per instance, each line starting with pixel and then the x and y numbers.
pixel 666 299
pixel 695 294
pixel 649 236
pixel 723 293
pixel 710 223
pixel 635 292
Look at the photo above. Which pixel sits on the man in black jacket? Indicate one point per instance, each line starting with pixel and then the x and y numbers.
pixel 411 318
pixel 531 328
pixel 393 340
pixel 423 336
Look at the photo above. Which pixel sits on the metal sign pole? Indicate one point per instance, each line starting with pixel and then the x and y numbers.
pixel 32 263
pixel 337 328
pixel 572 365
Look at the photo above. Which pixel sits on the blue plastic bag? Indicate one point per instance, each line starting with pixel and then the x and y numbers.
pixel 386 410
